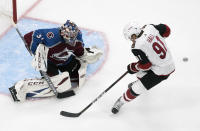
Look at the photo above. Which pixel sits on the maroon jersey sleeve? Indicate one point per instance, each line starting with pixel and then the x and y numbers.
pixel 29 39
pixel 79 49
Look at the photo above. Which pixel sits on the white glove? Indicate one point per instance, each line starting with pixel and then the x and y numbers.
pixel 91 55
pixel 39 62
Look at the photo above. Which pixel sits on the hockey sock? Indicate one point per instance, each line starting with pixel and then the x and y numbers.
pixel 129 95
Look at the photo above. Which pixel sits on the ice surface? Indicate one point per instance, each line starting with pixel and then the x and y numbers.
pixel 171 106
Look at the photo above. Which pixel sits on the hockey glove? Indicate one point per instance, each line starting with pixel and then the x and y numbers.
pixel 39 62
pixel 91 55
pixel 132 68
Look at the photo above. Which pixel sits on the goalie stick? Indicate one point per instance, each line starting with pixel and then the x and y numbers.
pixel 46 77
pixel 69 114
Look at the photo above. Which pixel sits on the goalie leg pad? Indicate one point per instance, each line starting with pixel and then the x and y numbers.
pixel 37 88
pixel 20 91
pixel 82 73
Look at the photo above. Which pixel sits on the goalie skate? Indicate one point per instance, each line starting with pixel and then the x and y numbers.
pixel 13 93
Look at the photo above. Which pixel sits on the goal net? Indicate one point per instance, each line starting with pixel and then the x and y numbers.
pixel 8 12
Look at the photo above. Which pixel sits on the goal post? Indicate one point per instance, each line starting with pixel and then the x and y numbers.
pixel 14 10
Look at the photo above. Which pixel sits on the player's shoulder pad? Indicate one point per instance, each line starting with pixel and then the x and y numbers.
pixel 150 29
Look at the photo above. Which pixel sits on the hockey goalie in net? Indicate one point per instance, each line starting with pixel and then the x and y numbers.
pixel 59 52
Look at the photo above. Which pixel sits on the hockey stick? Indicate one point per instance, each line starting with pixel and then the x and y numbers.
pixel 46 77
pixel 69 114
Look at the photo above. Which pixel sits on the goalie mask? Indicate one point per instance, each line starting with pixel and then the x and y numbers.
pixel 69 32
pixel 130 29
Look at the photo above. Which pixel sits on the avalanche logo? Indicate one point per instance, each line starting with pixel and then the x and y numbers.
pixel 50 35
pixel 18 56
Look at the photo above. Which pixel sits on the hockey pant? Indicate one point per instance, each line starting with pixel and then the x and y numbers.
pixel 146 80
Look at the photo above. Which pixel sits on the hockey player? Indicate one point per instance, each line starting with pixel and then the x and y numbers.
pixel 61 54
pixel 154 64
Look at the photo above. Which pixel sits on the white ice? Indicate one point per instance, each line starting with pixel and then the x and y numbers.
pixel 173 105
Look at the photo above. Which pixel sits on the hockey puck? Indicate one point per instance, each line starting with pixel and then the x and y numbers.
pixel 185 59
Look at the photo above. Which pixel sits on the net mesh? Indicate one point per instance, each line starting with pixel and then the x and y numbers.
pixel 6 7
pixel 7 14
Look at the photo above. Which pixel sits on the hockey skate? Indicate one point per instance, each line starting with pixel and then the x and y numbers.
pixel 118 104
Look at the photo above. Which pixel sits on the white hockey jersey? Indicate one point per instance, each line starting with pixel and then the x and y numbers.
pixel 156 50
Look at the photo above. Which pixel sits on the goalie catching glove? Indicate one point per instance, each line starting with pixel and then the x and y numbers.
pixel 91 55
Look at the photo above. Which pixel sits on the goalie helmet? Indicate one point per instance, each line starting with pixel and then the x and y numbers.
pixel 130 29
pixel 69 31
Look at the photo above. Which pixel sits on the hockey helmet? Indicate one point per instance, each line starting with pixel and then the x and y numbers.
pixel 130 29
pixel 69 31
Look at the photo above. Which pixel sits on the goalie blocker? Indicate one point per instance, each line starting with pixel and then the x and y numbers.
pixel 38 87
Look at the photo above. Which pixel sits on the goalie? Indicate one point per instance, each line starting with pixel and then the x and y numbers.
pixel 59 52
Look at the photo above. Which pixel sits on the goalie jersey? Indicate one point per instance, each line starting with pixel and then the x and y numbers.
pixel 60 52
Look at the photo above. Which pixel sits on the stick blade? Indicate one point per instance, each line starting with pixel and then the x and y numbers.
pixel 68 114
pixel 66 94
